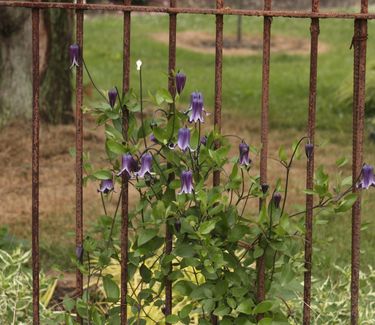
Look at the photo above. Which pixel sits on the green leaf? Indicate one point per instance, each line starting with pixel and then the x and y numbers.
pixel 258 252
pixel 263 307
pixel 265 321
pixel 173 319
pixel 347 203
pixel 145 272
pixel 111 289
pixel 115 147
pixel 207 226
pixel 185 311
pixel 246 307
pixel 341 162
pixel 69 304
pixel 102 174
pixel 163 95
pixel 145 235
pixel 222 310
pixel 282 154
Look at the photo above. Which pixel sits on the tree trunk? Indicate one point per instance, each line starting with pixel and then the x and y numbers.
pixel 16 65
pixel 56 90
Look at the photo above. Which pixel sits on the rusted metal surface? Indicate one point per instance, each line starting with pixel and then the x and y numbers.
pixel 203 11
pixel 172 90
pixel 35 165
pixel 218 93
pixel 125 184
pixel 261 271
pixel 314 29
pixel 79 148
pixel 359 94
pixel 218 79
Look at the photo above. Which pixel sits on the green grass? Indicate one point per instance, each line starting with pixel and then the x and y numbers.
pixel 289 84
pixel 289 80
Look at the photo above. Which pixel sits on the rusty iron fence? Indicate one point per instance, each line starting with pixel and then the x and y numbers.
pixel 359 43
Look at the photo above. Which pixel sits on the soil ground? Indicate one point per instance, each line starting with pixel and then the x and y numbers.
pixel 203 42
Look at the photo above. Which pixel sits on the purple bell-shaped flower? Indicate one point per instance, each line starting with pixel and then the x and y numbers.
pixel 204 140
pixel 309 149
pixel 180 82
pixel 186 182
pixel 183 140
pixel 128 164
pixel 74 55
pixel 367 178
pixel 276 199
pixel 106 186
pixel 112 96
pixel 244 154
pixel 146 165
pixel 196 108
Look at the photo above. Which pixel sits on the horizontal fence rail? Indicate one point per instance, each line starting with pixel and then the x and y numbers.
pixel 203 11
pixel 359 76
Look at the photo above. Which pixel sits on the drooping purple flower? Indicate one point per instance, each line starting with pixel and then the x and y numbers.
pixel 106 186
pixel 186 182
pixel 244 154
pixel 264 188
pixel 79 252
pixel 177 225
pixel 153 138
pixel 74 55
pixel 128 164
pixel 276 199
pixel 309 149
pixel 204 140
pixel 368 178
pixel 180 81
pixel 146 165
pixel 112 96
pixel 183 140
pixel 196 108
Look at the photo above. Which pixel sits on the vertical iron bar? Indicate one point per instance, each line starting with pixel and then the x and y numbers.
pixel 172 90
pixel 125 184
pixel 218 79
pixel 79 148
pixel 35 165
pixel 314 29
pixel 359 97
pixel 261 272
pixel 218 94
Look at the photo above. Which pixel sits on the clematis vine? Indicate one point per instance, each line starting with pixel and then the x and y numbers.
pixel 368 178
pixel 196 108
pixel 112 96
pixel 106 186
pixel 74 55
pixel 146 165
pixel 183 140
pixel 244 159
pixel 128 164
pixel 180 82
pixel 186 182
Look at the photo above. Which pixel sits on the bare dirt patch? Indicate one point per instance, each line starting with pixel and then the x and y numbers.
pixel 203 42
